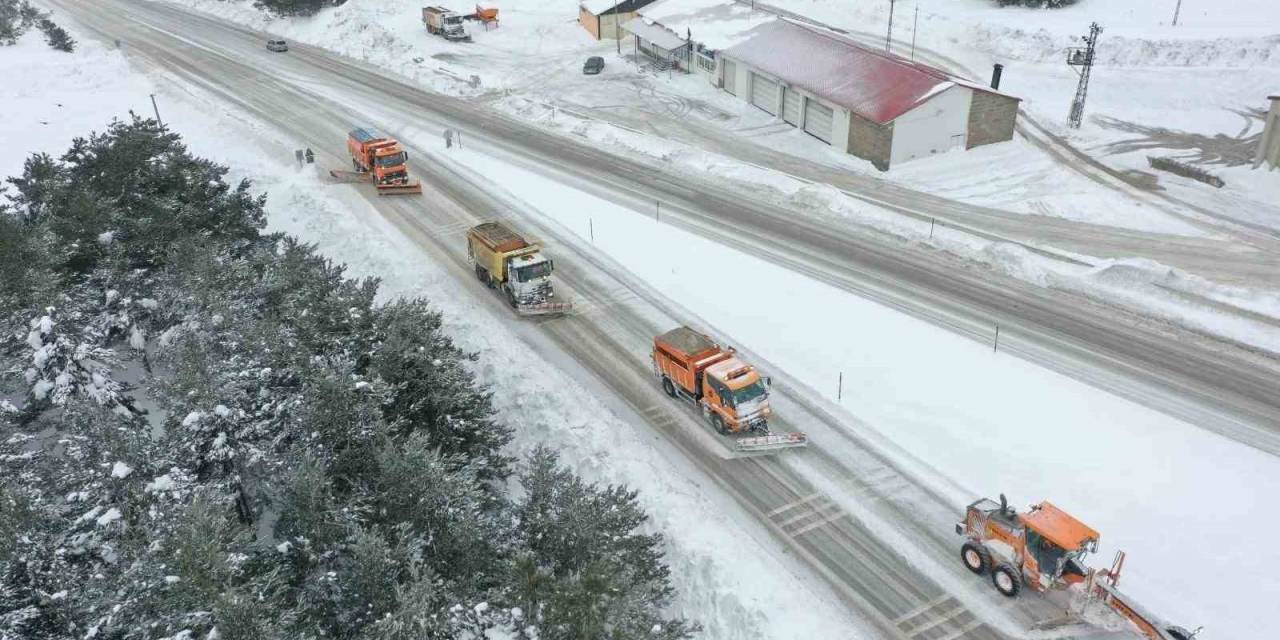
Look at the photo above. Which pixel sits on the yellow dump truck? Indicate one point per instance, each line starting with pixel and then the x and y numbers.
pixel 505 261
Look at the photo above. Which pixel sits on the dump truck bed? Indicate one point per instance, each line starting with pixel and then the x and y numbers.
pixel 496 236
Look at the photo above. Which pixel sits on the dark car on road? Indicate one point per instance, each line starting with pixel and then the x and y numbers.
pixel 278 46
pixel 594 65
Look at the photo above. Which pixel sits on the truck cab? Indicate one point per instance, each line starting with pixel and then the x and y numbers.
pixel 455 27
pixel 738 394
pixel 529 282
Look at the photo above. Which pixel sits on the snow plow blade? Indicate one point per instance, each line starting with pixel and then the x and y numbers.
pixel 545 309
pixel 413 188
pixel 348 176
pixel 772 442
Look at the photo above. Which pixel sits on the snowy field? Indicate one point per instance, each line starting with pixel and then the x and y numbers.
pixel 744 591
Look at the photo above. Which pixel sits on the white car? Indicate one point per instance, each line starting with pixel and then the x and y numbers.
pixel 278 46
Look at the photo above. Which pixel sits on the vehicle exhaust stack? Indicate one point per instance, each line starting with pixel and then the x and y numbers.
pixel 996 72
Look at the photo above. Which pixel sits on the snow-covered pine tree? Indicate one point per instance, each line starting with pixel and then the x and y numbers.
pixel 56 36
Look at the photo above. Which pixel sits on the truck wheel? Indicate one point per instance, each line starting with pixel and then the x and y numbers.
pixel 355 165
pixel 511 297
pixel 481 275
pixel 976 557
pixel 669 388
pixel 718 423
pixel 1006 580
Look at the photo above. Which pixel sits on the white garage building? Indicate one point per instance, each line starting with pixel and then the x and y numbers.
pixel 863 101
pixel 871 104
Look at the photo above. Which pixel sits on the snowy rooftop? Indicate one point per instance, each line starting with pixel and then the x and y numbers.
pixel 716 24
pixel 873 84
pixel 654 33
pixel 597 7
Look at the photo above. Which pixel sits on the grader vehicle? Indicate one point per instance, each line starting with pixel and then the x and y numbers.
pixel 1044 549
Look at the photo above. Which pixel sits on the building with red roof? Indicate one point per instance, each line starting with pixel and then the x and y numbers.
pixel 864 101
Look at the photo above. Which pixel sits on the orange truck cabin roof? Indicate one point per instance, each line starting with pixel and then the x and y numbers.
pixel 1059 527
pixel 736 373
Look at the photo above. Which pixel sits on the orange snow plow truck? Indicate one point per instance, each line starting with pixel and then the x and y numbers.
pixel 732 396
pixel 380 160
pixel 1044 549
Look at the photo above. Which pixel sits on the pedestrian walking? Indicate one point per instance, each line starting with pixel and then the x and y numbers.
pixel 311 157
pixel 448 138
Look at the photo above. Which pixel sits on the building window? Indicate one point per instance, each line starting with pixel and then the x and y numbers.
pixel 706 62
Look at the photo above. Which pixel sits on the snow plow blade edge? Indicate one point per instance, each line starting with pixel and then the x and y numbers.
pixel 400 189
pixel 544 309
pixel 772 442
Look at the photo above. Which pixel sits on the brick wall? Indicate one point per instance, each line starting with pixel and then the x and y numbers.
pixel 589 22
pixel 870 141
pixel 991 119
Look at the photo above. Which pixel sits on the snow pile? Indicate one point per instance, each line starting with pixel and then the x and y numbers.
pixel 717 24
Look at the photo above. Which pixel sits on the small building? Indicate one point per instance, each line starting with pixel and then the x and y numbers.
pixel 688 33
pixel 1269 148
pixel 869 103
pixel 861 100
pixel 601 18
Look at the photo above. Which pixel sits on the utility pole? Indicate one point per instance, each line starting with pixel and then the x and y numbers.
pixel 888 38
pixel 1177 10
pixel 156 109
pixel 1083 58
pixel 915 26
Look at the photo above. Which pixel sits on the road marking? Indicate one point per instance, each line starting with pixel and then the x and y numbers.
pixel 974 624
pixel 922 608
pixel 792 505
pixel 814 525
pixel 823 505
pixel 950 615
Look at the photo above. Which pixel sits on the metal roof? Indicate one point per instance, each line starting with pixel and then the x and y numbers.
pixel 654 33
pixel 714 24
pixel 873 84
pixel 1058 526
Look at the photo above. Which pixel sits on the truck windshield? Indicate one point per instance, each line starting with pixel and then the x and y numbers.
pixel 453 20
pixel 749 393
pixel 393 160
pixel 533 272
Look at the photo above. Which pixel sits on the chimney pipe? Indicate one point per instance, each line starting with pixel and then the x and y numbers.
pixel 995 76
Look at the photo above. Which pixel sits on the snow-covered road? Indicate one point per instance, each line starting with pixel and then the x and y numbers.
pixel 637 316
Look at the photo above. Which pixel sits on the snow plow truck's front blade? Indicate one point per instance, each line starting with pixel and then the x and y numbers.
pixel 545 309
pixel 400 189
pixel 772 442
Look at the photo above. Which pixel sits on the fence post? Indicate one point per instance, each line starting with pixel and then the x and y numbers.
pixel 996 345
pixel 840 387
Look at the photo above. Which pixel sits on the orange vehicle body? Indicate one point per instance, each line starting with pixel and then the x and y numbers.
pixel 486 14
pixel 1044 548
pixel 382 159
pixel 730 392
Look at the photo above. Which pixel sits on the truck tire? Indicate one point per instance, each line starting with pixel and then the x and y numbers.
pixel 482 275
pixel 668 387
pixel 976 558
pixel 1006 580
pixel 511 298
pixel 718 423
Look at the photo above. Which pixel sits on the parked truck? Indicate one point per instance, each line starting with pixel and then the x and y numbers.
pixel 731 395
pixel 378 159
pixel 445 23
pixel 505 261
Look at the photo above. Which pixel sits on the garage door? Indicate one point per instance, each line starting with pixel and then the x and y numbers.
pixel 817 120
pixel 730 76
pixel 764 93
pixel 791 102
